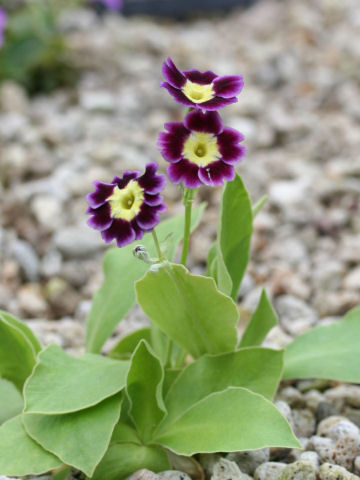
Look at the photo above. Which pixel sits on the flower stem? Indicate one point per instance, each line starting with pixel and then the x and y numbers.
pixel 188 198
pixel 157 244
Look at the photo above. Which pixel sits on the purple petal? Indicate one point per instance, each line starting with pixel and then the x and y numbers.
pixel 147 218
pixel 138 231
pixel 172 75
pixel 151 182
pixel 186 171
pixel 120 230
pixel 101 219
pixel 153 200
pixel 229 148
pixel 121 182
pixel 102 192
pixel 172 143
pixel 203 78
pixel 178 95
pixel 214 173
pixel 228 85
pixel 209 122
pixel 217 102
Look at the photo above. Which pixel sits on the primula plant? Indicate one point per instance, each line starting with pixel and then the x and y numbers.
pixel 187 383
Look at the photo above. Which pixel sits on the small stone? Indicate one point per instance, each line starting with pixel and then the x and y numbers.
pixel 328 471
pixel 286 193
pixel 78 241
pixel 13 98
pixel 173 475
pixel 27 258
pixel 357 464
pixel 98 101
pixel 48 211
pixel 285 410
pixel 249 461
pixel 339 443
pixel 269 471
pixel 304 422
pixel 226 470
pixel 324 410
pixel 342 394
pixel 312 457
pixel 51 263
pixel 296 317
pixel 352 280
pixel 143 474
pixel 31 300
pixel 299 470
pixel 208 461
pixel 291 396
pixel 312 399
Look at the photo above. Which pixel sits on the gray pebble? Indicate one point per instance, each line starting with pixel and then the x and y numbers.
pixel 173 475
pixel 27 258
pixel 269 471
pixel 249 461
pixel 226 470
pixel 300 470
pixel 328 471
pixel 78 241
pixel 304 422
pixel 295 315
pixel 143 474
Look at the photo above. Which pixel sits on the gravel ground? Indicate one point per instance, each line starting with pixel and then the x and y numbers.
pixel 300 113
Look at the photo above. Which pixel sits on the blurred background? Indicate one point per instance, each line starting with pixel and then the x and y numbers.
pixel 80 101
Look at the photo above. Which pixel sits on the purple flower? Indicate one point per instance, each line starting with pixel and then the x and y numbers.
pixel 201 150
pixel 3 23
pixel 201 89
pixel 112 4
pixel 128 206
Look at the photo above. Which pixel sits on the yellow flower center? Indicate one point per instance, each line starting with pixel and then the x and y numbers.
pixel 126 202
pixel 201 149
pixel 198 93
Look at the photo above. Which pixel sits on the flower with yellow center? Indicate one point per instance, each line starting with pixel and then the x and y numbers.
pixel 198 93
pixel 201 151
pixel 125 203
pixel 204 90
pixel 128 206
pixel 201 148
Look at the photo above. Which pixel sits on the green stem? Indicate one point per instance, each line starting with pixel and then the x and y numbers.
pixel 157 244
pixel 188 198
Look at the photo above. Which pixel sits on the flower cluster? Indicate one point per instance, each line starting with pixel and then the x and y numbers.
pixel 3 23
pixel 201 150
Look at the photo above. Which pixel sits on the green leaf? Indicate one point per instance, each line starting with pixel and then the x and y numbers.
pixel 262 321
pixel 126 345
pixel 64 384
pixel 124 433
pixel 259 205
pixel 257 369
pixel 234 232
pixel 20 455
pixel 144 390
pixel 210 262
pixel 18 349
pixel 123 459
pixel 15 322
pixel 330 352
pixel 11 401
pixel 116 296
pixel 79 439
pixel 232 420
pixel 171 375
pixel 189 309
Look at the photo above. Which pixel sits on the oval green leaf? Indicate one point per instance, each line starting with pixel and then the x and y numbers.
pixel 232 420
pixel 189 309
pixel 330 352
pixel 11 401
pixel 20 455
pixel 18 350
pixel 63 384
